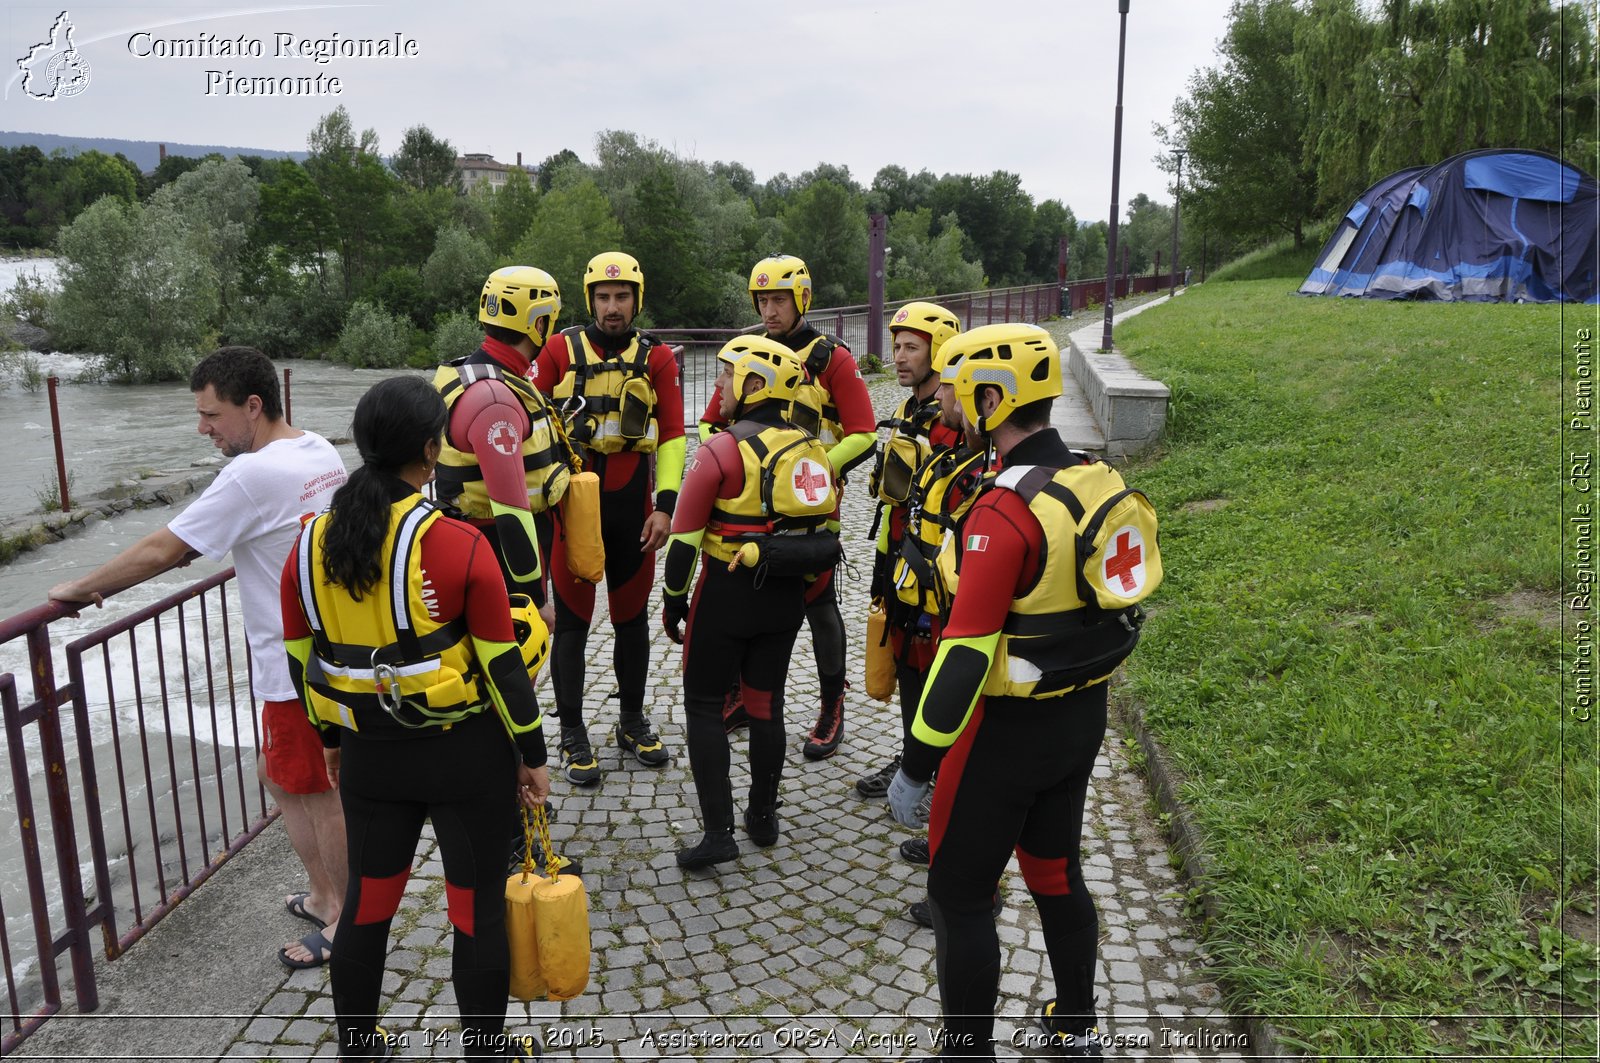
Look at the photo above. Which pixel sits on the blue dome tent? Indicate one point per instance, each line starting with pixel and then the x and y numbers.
pixel 1499 225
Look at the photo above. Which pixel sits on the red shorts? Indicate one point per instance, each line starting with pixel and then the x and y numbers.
pixel 293 749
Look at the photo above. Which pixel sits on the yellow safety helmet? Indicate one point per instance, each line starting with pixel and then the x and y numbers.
pixel 780 371
pixel 782 271
pixel 1021 360
pixel 615 266
pixel 516 297
pixel 930 319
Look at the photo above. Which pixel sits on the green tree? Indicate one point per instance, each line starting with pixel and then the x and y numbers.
pixel 1051 221
pixel 425 161
pixel 373 338
pixel 894 190
pixel 218 202
pixel 550 167
pixel 826 225
pixel 1243 126
pixel 137 293
pixel 1146 233
pixel 923 264
pixel 569 228
pixel 666 239
pixel 453 276
pixel 358 190
pixel 296 220
pixel 997 216
pixel 515 204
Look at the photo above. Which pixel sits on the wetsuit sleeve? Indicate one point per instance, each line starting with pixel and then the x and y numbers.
pixel 842 379
pixel 1000 549
pixel 489 422
pixel 702 482
pixel 488 613
pixel 667 382
pixel 550 364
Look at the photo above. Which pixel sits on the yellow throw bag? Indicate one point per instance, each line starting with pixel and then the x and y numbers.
pixel 561 920
pixel 527 977
pixel 880 654
pixel 547 923
pixel 580 526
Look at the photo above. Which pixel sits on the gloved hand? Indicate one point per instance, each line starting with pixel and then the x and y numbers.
pixel 904 797
pixel 674 611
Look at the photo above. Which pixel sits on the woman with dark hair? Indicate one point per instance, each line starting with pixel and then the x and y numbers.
pixel 404 647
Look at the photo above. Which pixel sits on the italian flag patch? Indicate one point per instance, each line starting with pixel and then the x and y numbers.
pixel 977 544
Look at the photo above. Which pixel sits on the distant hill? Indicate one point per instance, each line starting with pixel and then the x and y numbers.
pixel 146 154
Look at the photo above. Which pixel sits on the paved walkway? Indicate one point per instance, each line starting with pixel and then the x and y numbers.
pixel 801 951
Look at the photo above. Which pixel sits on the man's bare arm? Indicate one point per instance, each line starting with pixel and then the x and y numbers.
pixel 150 556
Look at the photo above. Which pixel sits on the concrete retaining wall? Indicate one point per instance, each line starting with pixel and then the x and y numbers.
pixel 1130 407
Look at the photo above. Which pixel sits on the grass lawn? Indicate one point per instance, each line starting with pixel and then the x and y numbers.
pixel 1355 663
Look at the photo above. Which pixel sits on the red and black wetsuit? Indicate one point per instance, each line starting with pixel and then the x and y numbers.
pixel 1015 780
pixel 463 779
pixel 625 503
pixel 741 630
pixel 841 378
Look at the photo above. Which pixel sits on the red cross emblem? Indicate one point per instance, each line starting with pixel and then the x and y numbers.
pixel 1124 559
pixel 901 316
pixel 504 438
pixel 810 481
pixel 613 271
pixel 761 280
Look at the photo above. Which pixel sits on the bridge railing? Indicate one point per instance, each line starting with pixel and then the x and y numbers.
pixel 155 725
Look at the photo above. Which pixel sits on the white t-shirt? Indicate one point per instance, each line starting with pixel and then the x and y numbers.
pixel 253 508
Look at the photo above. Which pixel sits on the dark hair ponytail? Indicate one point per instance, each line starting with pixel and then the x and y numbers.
pixel 393 422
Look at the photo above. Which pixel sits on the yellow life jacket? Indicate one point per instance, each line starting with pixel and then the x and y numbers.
pixel 909 447
pixel 813 408
pixel 618 404
pixel 788 489
pixel 382 661
pixel 1080 619
pixel 946 485
pixel 546 456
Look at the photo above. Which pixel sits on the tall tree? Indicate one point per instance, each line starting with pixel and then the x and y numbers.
pixel 569 226
pixel 826 224
pixel 1243 127
pixel 515 204
pixel 425 161
pixel 218 201
pixel 358 189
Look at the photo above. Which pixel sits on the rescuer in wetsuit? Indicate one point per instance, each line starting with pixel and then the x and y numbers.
pixel 625 399
pixel 758 499
pixel 505 463
pixel 1017 755
pixel 402 646
pixel 838 401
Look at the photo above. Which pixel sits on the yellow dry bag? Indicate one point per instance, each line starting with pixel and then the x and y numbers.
pixel 580 527
pixel 880 654
pixel 547 924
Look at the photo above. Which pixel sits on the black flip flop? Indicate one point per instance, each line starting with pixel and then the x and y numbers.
pixel 296 907
pixel 317 944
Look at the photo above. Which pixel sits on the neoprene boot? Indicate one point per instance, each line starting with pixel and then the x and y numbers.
pixel 716 812
pixel 761 816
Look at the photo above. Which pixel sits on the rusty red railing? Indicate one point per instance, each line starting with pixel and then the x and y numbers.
pixel 157 703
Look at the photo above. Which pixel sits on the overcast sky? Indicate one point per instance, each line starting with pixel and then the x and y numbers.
pixel 952 86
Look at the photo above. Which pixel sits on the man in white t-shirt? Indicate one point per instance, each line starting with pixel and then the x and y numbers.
pixel 253 509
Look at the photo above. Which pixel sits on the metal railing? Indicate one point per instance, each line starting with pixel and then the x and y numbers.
pixel 158 704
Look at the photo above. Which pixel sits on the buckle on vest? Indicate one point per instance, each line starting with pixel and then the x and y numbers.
pixel 387 680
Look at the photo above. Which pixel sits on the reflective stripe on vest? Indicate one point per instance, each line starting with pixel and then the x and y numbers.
pixel 387 635
pixel 1049 630
pixel 754 511
pixel 601 381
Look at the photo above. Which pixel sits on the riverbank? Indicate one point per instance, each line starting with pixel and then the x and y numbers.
pixel 32 530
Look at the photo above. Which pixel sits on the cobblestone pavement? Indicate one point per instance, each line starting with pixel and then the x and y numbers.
pixel 801 951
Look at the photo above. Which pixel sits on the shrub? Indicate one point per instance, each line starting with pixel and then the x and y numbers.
pixel 373 338
pixel 455 336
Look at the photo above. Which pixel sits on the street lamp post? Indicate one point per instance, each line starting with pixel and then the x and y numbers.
pixel 1177 198
pixel 1116 174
